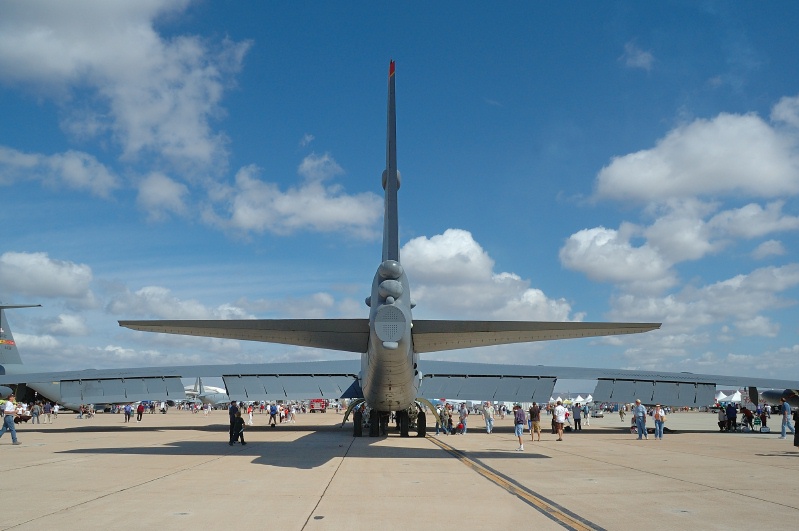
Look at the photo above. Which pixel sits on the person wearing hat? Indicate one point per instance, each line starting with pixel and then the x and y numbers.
pixel 660 419
pixel 9 411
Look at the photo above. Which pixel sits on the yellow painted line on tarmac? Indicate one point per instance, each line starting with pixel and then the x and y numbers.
pixel 552 510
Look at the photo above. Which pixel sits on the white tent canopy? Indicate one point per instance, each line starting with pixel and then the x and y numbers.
pixel 735 397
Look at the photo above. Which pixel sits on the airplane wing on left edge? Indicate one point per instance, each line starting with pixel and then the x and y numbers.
pixel 434 336
pixel 349 335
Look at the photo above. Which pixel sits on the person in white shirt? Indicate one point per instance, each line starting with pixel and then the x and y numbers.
pixel 9 411
pixel 560 419
pixel 488 416
pixel 660 418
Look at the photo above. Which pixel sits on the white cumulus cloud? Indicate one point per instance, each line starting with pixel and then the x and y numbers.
pixel 152 95
pixel 71 169
pixel 258 206
pixel 728 155
pixel 160 196
pixel 453 276
pixel 38 275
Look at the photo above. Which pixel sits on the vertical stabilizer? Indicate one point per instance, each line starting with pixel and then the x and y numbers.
pixel 391 179
pixel 8 348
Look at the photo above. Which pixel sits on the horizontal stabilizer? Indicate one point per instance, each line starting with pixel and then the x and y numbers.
pixel 349 335
pixel 434 336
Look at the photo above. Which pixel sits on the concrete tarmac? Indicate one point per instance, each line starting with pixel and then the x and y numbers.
pixel 177 471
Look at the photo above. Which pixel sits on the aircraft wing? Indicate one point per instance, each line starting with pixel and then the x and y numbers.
pixel 433 336
pixel 352 335
pixel 349 335
pixel 252 381
pixel 535 383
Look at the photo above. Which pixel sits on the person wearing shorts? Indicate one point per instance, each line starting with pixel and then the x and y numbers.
pixel 535 421
pixel 518 424
pixel 560 419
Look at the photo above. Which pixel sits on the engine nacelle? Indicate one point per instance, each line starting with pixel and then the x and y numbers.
pixel 385 179
pixel 390 288
pixel 390 269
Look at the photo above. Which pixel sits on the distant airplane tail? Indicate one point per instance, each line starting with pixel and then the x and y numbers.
pixel 9 355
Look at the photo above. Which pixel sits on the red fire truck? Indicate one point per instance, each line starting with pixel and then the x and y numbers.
pixel 318 404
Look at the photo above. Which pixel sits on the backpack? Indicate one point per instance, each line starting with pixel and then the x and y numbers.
pixel 273 409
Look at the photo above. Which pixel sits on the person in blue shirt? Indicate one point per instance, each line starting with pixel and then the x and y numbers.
pixel 785 407
pixel 640 419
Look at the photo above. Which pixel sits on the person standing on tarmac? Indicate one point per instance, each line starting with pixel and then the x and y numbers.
pixel 488 416
pixel 238 429
pixel 785 409
pixel 9 412
pixel 577 415
pixel 232 411
pixel 640 419
pixel 535 421
pixel 518 424
pixel 559 416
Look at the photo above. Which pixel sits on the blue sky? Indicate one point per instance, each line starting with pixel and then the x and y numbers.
pixel 609 161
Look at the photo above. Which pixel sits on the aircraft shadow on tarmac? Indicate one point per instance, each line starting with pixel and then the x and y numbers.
pixel 306 452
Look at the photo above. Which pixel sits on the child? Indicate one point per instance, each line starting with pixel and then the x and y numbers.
pixel 238 430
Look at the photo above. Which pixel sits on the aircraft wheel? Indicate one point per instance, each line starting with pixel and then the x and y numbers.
pixel 421 424
pixel 404 421
pixel 374 424
pixel 357 424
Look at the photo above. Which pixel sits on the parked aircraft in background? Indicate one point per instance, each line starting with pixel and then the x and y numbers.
pixel 772 397
pixel 390 375
pixel 207 394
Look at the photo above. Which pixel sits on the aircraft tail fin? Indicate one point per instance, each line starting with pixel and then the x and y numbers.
pixel 8 348
pixel 391 178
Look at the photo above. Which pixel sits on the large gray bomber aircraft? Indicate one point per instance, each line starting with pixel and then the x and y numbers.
pixel 390 376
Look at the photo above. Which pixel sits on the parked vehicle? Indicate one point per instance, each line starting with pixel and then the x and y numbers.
pixel 318 404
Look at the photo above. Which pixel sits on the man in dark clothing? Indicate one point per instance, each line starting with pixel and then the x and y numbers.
pixel 232 410
pixel 238 429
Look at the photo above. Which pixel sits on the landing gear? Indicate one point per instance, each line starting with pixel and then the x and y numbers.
pixel 421 424
pixel 378 423
pixel 357 423
pixel 374 423
pixel 404 422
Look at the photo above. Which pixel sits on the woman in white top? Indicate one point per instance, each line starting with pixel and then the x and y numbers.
pixel 660 418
